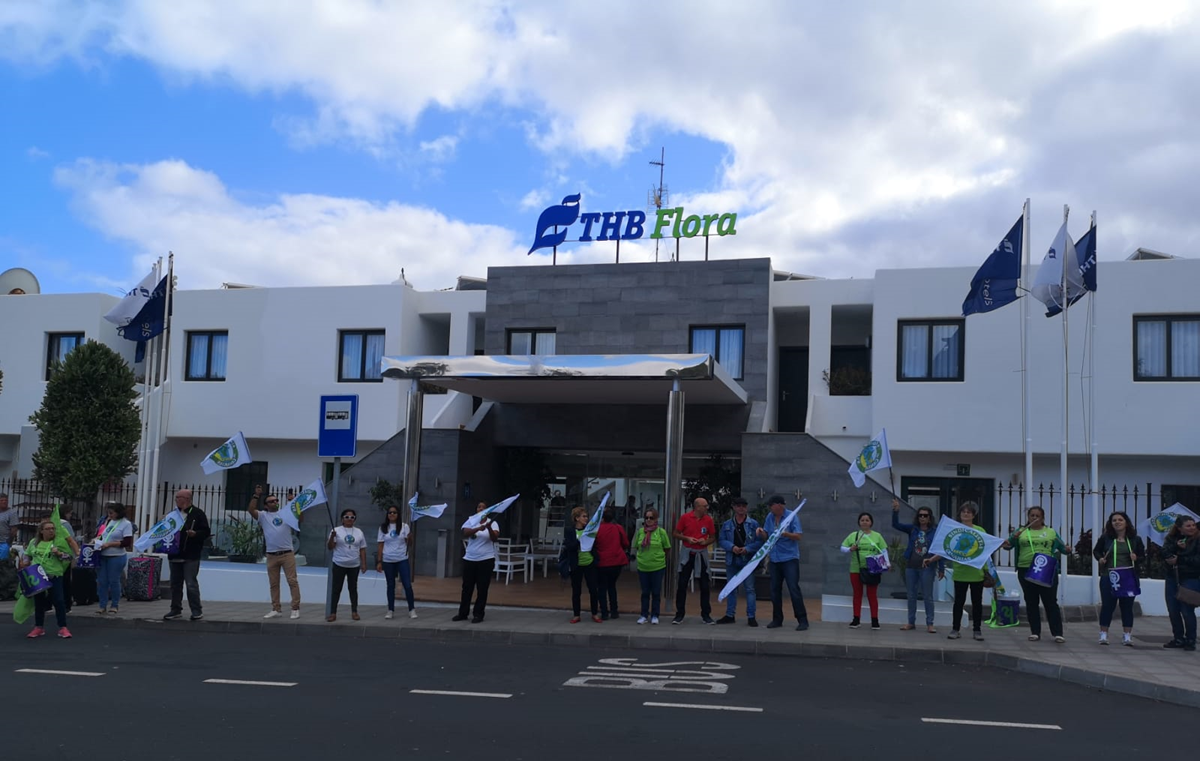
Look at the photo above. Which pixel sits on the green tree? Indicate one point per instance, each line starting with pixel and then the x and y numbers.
pixel 88 423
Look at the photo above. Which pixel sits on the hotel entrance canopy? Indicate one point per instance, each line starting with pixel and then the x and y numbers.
pixel 574 378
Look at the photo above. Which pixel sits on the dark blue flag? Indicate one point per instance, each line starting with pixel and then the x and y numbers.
pixel 151 320
pixel 1085 252
pixel 995 284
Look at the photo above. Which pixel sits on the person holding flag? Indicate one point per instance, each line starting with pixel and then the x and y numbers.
pixel 739 538
pixel 185 566
pixel 479 560
pixel 583 566
pixel 52 551
pixel 395 542
pixel 918 575
pixel 785 562
pixel 968 548
pixel 281 555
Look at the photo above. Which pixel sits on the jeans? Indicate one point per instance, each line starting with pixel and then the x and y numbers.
pixel 108 580
pixel 1109 602
pixel 1183 617
pixel 184 573
pixel 53 597
pixel 581 574
pixel 349 577
pixel 608 576
pixel 1048 597
pixel 746 586
pixel 287 563
pixel 787 572
pixel 477 575
pixel 872 595
pixel 402 569
pixel 960 602
pixel 681 592
pixel 920 579
pixel 651 582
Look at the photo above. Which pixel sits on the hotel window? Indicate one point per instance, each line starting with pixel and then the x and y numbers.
pixel 930 350
pixel 1166 347
pixel 58 346
pixel 361 353
pixel 726 344
pixel 525 342
pixel 206 353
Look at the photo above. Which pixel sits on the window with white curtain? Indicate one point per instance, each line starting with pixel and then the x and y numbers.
pixel 1166 347
pixel 206 353
pixel 526 342
pixel 726 344
pixel 360 354
pixel 58 346
pixel 930 350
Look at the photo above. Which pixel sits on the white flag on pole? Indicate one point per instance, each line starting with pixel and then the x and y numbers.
pixel 309 496
pixel 127 308
pixel 227 456
pixel 1047 283
pixel 874 455
pixel 425 511
pixel 965 545
pixel 1157 526
pixel 748 569
pixel 168 527
pixel 488 512
pixel 589 531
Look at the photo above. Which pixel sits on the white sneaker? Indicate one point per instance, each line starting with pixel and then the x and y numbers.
pixel 654 620
pixel 412 614
pixel 388 616
pixel 295 614
pixel 273 614
pixel 641 620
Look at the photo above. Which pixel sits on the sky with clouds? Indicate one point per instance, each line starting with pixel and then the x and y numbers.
pixel 295 143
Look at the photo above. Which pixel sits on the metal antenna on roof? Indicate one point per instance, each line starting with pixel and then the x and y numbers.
pixel 658 196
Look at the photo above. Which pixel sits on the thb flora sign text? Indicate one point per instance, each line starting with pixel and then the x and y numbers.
pixel 555 222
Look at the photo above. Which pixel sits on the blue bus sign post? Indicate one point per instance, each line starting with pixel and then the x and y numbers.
pixel 337 437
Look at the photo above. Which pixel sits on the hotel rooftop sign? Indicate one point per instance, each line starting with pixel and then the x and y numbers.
pixel 624 225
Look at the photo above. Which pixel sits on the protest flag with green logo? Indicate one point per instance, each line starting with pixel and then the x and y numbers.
pixel 228 456
pixel 874 455
pixel 589 531
pixel 965 545
pixel 310 496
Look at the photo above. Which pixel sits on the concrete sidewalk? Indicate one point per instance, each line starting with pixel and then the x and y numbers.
pixel 1146 670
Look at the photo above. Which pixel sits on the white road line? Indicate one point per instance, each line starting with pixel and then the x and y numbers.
pixel 745 709
pixel 250 683
pixel 59 673
pixel 462 694
pixel 1013 724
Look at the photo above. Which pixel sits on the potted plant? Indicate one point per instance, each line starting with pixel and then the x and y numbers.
pixel 244 541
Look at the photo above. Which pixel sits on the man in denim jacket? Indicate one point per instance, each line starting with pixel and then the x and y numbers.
pixel 739 538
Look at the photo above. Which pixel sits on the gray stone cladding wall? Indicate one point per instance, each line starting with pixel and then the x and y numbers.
pixel 781 463
pixel 636 308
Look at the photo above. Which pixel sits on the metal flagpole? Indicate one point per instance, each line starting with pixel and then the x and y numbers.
pixel 144 418
pixel 165 374
pixel 1095 464
pixel 1066 418
pixel 1026 387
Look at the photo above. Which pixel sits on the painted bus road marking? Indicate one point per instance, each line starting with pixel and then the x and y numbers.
pixel 703 707
pixel 461 694
pixel 250 683
pixel 1006 724
pixel 709 677
pixel 55 672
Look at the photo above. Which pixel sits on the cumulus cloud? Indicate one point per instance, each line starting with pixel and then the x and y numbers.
pixel 859 136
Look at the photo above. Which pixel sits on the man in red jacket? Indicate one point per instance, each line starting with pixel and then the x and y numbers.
pixel 612 554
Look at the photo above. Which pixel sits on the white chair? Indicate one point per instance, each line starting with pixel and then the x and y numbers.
pixel 513 558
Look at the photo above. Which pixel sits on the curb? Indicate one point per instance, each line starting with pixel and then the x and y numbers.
pixel 682 643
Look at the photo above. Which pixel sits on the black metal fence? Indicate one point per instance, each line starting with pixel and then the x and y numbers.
pixel 1074 512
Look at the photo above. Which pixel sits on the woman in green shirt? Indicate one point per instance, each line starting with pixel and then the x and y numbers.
pixel 966 579
pixel 1033 538
pixel 861 545
pixel 54 555
pixel 651 543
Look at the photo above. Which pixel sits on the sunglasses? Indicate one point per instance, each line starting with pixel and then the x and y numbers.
pixel 349 518
pixel 392 512
pixel 272 502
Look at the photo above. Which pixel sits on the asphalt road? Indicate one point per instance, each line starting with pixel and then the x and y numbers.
pixel 354 697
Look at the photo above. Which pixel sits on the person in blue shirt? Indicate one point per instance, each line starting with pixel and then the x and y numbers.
pixel 739 538
pixel 918 575
pixel 785 564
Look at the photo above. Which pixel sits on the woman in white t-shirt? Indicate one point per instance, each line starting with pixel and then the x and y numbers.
pixel 478 563
pixel 395 539
pixel 113 540
pixel 349 559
